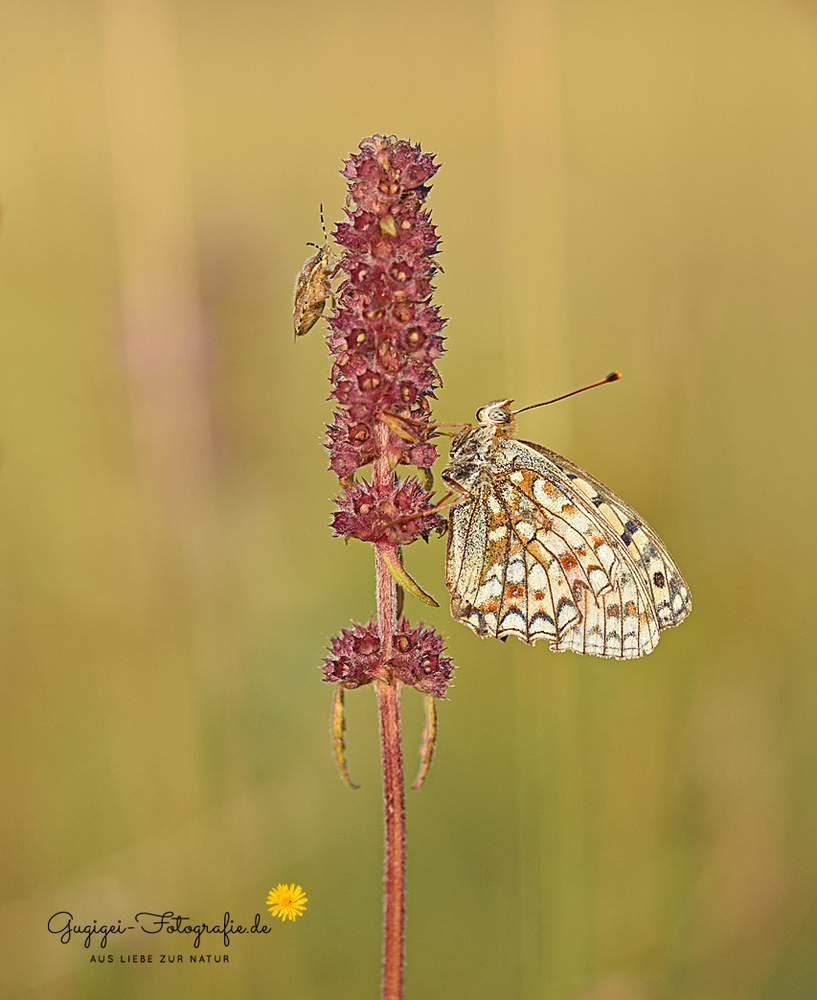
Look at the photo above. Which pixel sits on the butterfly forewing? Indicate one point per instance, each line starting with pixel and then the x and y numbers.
pixel 670 593
pixel 539 549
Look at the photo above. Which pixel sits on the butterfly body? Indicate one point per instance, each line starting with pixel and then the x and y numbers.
pixel 540 549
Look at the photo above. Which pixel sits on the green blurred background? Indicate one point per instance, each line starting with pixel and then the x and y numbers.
pixel 626 185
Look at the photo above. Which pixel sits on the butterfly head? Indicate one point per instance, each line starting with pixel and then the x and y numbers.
pixel 498 417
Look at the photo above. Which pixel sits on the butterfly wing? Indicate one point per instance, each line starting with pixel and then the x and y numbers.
pixel 541 549
pixel 503 570
pixel 633 536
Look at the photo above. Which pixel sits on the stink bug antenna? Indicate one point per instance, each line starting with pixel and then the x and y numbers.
pixel 325 235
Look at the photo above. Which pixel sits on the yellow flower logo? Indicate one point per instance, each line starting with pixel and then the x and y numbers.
pixel 286 901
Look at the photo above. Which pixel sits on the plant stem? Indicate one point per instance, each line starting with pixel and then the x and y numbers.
pixel 388 702
pixel 391 755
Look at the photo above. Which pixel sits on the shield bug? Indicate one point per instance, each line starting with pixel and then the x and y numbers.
pixel 313 287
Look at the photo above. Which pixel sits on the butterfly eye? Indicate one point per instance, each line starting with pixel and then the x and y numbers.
pixel 496 414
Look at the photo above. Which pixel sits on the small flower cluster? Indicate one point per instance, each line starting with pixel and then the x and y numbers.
pixel 417 658
pixel 397 517
pixel 385 333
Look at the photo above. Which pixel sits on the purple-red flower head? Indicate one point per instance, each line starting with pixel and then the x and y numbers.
pixel 385 333
pixel 385 339
pixel 417 658
pixel 397 517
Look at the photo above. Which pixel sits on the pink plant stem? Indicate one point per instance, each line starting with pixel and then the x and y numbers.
pixel 388 702
pixel 391 752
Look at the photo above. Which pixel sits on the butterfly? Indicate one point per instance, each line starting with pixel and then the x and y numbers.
pixel 540 549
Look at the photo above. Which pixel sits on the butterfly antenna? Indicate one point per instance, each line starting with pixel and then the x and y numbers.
pixel 612 377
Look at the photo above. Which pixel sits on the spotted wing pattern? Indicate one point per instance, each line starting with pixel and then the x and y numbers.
pixel 540 549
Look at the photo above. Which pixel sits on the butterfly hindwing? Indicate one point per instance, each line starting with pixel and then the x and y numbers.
pixel 504 581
